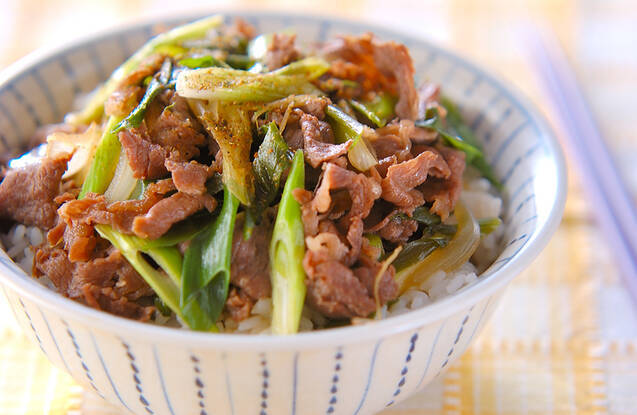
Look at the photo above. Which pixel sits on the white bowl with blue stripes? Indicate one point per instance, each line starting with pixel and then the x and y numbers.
pixel 149 369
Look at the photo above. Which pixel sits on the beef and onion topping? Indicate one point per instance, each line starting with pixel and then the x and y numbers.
pixel 231 182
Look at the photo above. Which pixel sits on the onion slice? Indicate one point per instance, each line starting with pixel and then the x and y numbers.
pixel 460 248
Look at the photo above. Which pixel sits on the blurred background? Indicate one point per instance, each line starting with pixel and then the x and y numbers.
pixel 564 339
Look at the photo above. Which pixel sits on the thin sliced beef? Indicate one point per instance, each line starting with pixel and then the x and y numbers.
pixel 334 290
pixel 242 29
pixel 340 292
pixel 121 102
pixel 250 267
pixel 445 191
pixel 78 217
pixel 396 138
pixel 393 59
pixel 105 299
pixel 376 65
pixel 27 194
pixel 317 141
pixel 169 211
pixel 287 113
pixel 338 275
pixel 399 184
pixel 326 246
pixel 239 304
pixel 189 177
pixel 392 224
pixel 148 67
pixel 368 270
pixel 172 126
pixel 112 271
pixel 129 90
pixel 363 191
pixel 145 158
pixel 281 51
pixel 55 264
pixel 107 283
pixel 42 132
pixel 393 140
pixel 398 230
pixel 353 58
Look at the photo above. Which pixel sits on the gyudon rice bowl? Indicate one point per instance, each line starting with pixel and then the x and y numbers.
pixel 226 181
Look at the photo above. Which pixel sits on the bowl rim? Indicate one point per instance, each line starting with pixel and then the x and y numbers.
pixel 437 311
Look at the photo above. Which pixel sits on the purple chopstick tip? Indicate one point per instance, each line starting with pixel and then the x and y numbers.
pixel 613 207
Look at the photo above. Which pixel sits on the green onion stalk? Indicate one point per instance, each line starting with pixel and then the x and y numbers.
pixel 234 85
pixel 287 249
pixel 206 269
pixel 167 43
pixel 361 153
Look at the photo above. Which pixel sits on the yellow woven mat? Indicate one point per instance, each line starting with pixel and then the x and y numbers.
pixel 564 339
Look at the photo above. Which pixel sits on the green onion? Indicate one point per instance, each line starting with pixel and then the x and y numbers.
pixel 230 126
pixel 461 138
pixel 105 162
pixel 206 269
pixel 165 285
pixel 166 43
pixel 123 183
pixel 415 251
pixel 311 68
pixel 243 62
pixel 287 249
pixel 271 161
pixel 361 154
pixel 379 110
pixel 448 256
pixel 375 241
pixel 202 62
pixel 223 84
pixel 135 118
pixel 489 225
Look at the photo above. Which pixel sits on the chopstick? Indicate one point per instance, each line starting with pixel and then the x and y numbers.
pixel 610 200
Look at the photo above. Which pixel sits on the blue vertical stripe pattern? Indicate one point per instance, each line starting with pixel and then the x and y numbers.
pixel 35 332
pixel 17 128
pixel 78 353
pixel 405 369
pixel 106 372
pixel 55 109
pixel 338 357
pixel 161 381
pixel 295 374
pixel 505 115
pixel 224 358
pixel 136 378
pixel 456 340
pixel 370 375
pixel 265 376
pixel 505 144
pixel 482 114
pixel 26 104
pixel 477 326
pixel 199 385
pixel 55 342
pixel 70 74
pixel 431 354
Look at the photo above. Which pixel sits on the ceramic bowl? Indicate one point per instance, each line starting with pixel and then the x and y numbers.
pixel 352 370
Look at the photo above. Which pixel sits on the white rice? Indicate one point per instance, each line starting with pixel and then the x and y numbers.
pixel 478 195
pixel 20 239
